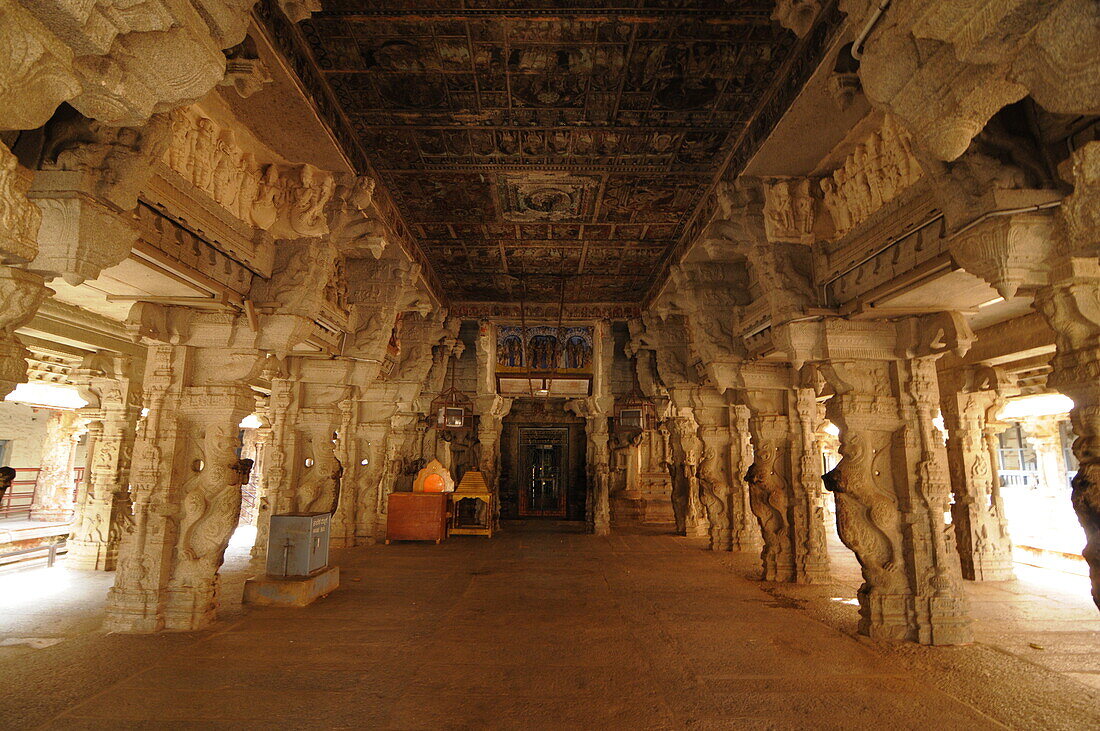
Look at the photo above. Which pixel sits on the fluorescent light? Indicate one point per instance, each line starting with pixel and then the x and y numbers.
pixel 1043 404
pixel 47 395
pixel 250 422
pixel 993 301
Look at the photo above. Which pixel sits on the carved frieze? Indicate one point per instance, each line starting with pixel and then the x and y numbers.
pixel 286 201
pixel 879 169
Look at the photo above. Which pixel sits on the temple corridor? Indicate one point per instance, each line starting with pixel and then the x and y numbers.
pixel 545 627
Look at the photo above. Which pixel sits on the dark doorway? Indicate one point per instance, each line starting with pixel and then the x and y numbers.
pixel 542 462
pixel 542 476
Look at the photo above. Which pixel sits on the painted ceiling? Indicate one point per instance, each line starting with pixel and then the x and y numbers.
pixel 525 141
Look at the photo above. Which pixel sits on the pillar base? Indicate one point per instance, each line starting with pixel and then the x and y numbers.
pixel 991 568
pixel 133 613
pixel 275 591
pixel 929 620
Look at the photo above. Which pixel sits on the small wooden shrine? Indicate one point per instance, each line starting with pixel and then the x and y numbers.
pixel 472 507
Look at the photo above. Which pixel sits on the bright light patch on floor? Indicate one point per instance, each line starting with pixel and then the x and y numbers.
pixel 1042 404
pixel 48 395
pixel 32 587
pixel 845 600
pixel 251 422
pixel 243 537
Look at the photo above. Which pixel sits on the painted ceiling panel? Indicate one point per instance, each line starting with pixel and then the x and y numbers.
pixel 524 141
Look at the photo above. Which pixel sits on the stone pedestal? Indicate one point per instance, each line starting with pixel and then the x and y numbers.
pixel 276 591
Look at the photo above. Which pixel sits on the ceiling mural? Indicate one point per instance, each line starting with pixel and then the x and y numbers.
pixel 523 141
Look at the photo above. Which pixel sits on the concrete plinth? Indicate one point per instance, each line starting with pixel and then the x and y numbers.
pixel 275 591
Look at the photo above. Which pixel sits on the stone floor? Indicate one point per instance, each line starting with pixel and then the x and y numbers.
pixel 542 627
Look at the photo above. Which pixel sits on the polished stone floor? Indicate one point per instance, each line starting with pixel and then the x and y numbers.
pixel 542 627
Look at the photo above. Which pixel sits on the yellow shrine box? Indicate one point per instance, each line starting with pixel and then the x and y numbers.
pixel 472 507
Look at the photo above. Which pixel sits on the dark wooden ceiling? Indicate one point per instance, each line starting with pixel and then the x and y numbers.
pixel 520 141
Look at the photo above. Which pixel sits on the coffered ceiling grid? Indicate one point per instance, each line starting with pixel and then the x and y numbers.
pixel 527 139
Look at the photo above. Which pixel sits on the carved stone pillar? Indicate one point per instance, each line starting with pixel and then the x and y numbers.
pixel 491 412
pixel 811 551
pixel 349 448
pixel 891 489
pixel 21 292
pixel 970 400
pixel 53 495
pixel 715 485
pixel 304 474
pixel 1071 306
pixel 745 532
pixel 185 488
pixel 769 481
pixel 1044 436
pixel 684 470
pixel 373 439
pixel 103 512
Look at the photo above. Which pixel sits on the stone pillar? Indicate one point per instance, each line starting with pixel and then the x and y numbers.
pixel 970 400
pixel 891 490
pixel 349 448
pixel 21 292
pixel 185 488
pixel 811 551
pixel 745 532
pixel 103 512
pixel 491 410
pixel 715 485
pixel 53 495
pixel 1044 436
pixel 1071 306
pixel 769 481
pixel 304 474
pixel 373 438
pixel 684 468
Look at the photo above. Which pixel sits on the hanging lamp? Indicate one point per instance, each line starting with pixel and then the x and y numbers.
pixel 635 412
pixel 451 407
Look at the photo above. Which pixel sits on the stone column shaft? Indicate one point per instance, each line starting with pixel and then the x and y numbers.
pixel 891 489
pixel 977 515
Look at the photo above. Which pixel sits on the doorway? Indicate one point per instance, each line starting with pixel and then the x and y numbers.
pixel 542 454
pixel 543 479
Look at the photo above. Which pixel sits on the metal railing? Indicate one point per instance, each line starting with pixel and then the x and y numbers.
pixel 51 549
pixel 19 498
pixel 1019 478
pixel 250 502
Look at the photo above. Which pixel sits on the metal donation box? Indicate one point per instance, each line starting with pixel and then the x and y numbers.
pixel 298 544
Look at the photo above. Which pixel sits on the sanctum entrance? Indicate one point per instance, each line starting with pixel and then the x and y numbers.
pixel 542 461
pixel 542 475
